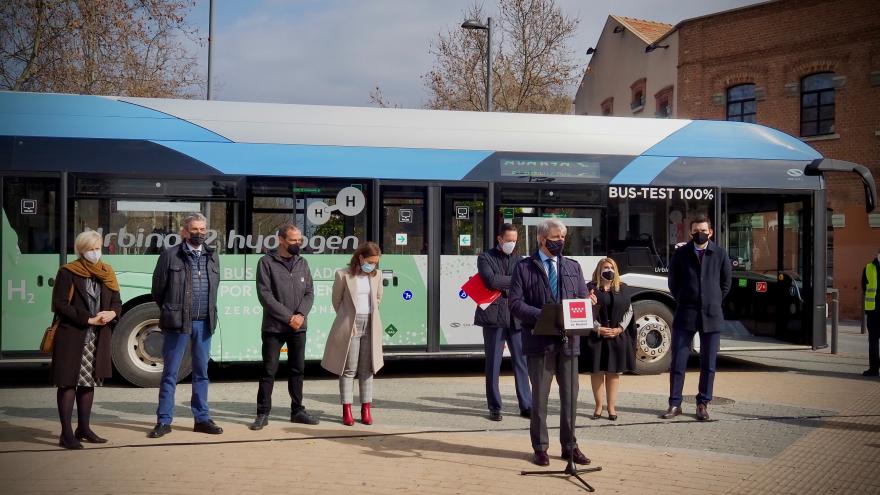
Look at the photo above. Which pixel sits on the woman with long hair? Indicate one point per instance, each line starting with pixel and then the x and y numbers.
pixel 86 302
pixel 609 349
pixel 354 345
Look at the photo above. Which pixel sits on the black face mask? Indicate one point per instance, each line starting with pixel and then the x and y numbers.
pixel 608 274
pixel 700 238
pixel 555 247
pixel 196 239
pixel 293 249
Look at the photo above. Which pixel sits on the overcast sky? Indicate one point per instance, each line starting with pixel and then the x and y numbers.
pixel 334 52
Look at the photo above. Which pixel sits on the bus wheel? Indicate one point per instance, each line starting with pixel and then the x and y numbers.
pixel 137 347
pixel 652 323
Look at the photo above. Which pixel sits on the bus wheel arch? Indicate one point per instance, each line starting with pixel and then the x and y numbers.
pixel 136 346
pixel 652 328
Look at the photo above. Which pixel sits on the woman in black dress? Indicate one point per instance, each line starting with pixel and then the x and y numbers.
pixel 86 301
pixel 609 349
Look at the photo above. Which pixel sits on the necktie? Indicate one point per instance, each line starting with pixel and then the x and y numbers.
pixel 554 280
pixel 700 253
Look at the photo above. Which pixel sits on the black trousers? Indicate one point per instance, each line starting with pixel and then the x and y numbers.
pixel 873 339
pixel 296 361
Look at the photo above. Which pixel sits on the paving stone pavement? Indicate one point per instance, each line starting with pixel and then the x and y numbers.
pixel 812 427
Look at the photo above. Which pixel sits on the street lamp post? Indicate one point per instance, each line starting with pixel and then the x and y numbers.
pixel 210 44
pixel 473 24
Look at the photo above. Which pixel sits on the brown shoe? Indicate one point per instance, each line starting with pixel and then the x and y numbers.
pixel 579 457
pixel 702 412
pixel 541 458
pixel 672 412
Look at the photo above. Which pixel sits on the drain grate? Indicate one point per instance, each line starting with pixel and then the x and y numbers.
pixel 716 401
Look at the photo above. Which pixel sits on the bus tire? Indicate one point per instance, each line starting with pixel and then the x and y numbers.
pixel 136 347
pixel 652 327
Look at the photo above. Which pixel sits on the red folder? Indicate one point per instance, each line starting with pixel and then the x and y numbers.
pixel 477 290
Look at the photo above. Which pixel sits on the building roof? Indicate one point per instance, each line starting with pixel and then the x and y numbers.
pixel 648 31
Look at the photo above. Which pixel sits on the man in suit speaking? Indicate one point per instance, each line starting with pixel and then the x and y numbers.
pixel 546 277
pixel 699 279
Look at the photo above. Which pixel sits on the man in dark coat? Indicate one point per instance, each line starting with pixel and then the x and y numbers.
pixel 547 277
pixel 495 267
pixel 286 292
pixel 185 285
pixel 699 279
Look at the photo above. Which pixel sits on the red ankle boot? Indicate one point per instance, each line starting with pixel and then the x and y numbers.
pixel 347 418
pixel 366 417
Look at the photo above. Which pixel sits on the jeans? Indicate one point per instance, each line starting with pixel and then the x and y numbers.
pixel 296 362
pixel 173 349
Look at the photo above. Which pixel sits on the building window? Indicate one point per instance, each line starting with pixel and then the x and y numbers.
pixel 663 103
pixel 741 103
pixel 608 107
pixel 637 102
pixel 817 104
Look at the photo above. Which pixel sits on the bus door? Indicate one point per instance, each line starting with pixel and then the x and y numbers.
pixel 464 221
pixel 404 225
pixel 769 240
pixel 31 236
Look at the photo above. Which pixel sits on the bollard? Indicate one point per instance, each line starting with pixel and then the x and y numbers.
pixel 835 317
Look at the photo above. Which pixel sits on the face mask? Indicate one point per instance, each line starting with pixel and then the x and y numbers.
pixel 700 238
pixel 197 239
pixel 293 249
pixel 92 256
pixel 367 267
pixel 508 247
pixel 555 247
pixel 608 274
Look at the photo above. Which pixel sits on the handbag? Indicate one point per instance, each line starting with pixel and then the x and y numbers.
pixel 48 341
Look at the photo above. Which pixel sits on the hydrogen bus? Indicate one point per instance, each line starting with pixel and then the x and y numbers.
pixel 429 186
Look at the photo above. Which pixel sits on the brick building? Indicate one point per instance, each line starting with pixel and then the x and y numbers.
pixel 810 68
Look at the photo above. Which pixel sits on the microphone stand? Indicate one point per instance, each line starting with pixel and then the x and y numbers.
pixel 571 468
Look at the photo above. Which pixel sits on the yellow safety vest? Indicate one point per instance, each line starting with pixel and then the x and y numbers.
pixel 871 287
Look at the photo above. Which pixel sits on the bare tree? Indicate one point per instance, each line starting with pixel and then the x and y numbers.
pixel 120 47
pixel 532 67
pixel 380 100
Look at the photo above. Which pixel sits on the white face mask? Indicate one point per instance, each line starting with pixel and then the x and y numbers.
pixel 508 247
pixel 92 256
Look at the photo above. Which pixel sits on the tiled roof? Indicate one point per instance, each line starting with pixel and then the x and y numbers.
pixel 648 31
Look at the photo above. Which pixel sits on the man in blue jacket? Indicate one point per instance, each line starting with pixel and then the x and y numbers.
pixel 547 277
pixel 185 285
pixel 699 279
pixel 495 267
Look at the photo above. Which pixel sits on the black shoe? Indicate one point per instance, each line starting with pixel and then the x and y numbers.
pixel 672 412
pixel 69 443
pixel 702 412
pixel 541 458
pixel 526 413
pixel 88 436
pixel 259 422
pixel 209 427
pixel 160 430
pixel 495 416
pixel 304 418
pixel 871 373
pixel 579 457
pixel 612 417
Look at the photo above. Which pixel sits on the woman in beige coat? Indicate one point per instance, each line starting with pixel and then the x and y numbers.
pixel 354 346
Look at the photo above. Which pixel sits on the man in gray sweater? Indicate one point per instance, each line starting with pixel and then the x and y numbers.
pixel 286 292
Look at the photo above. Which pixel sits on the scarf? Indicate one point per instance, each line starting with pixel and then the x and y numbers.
pixel 100 270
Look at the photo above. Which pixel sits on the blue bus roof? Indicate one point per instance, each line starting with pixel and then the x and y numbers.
pixel 281 139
